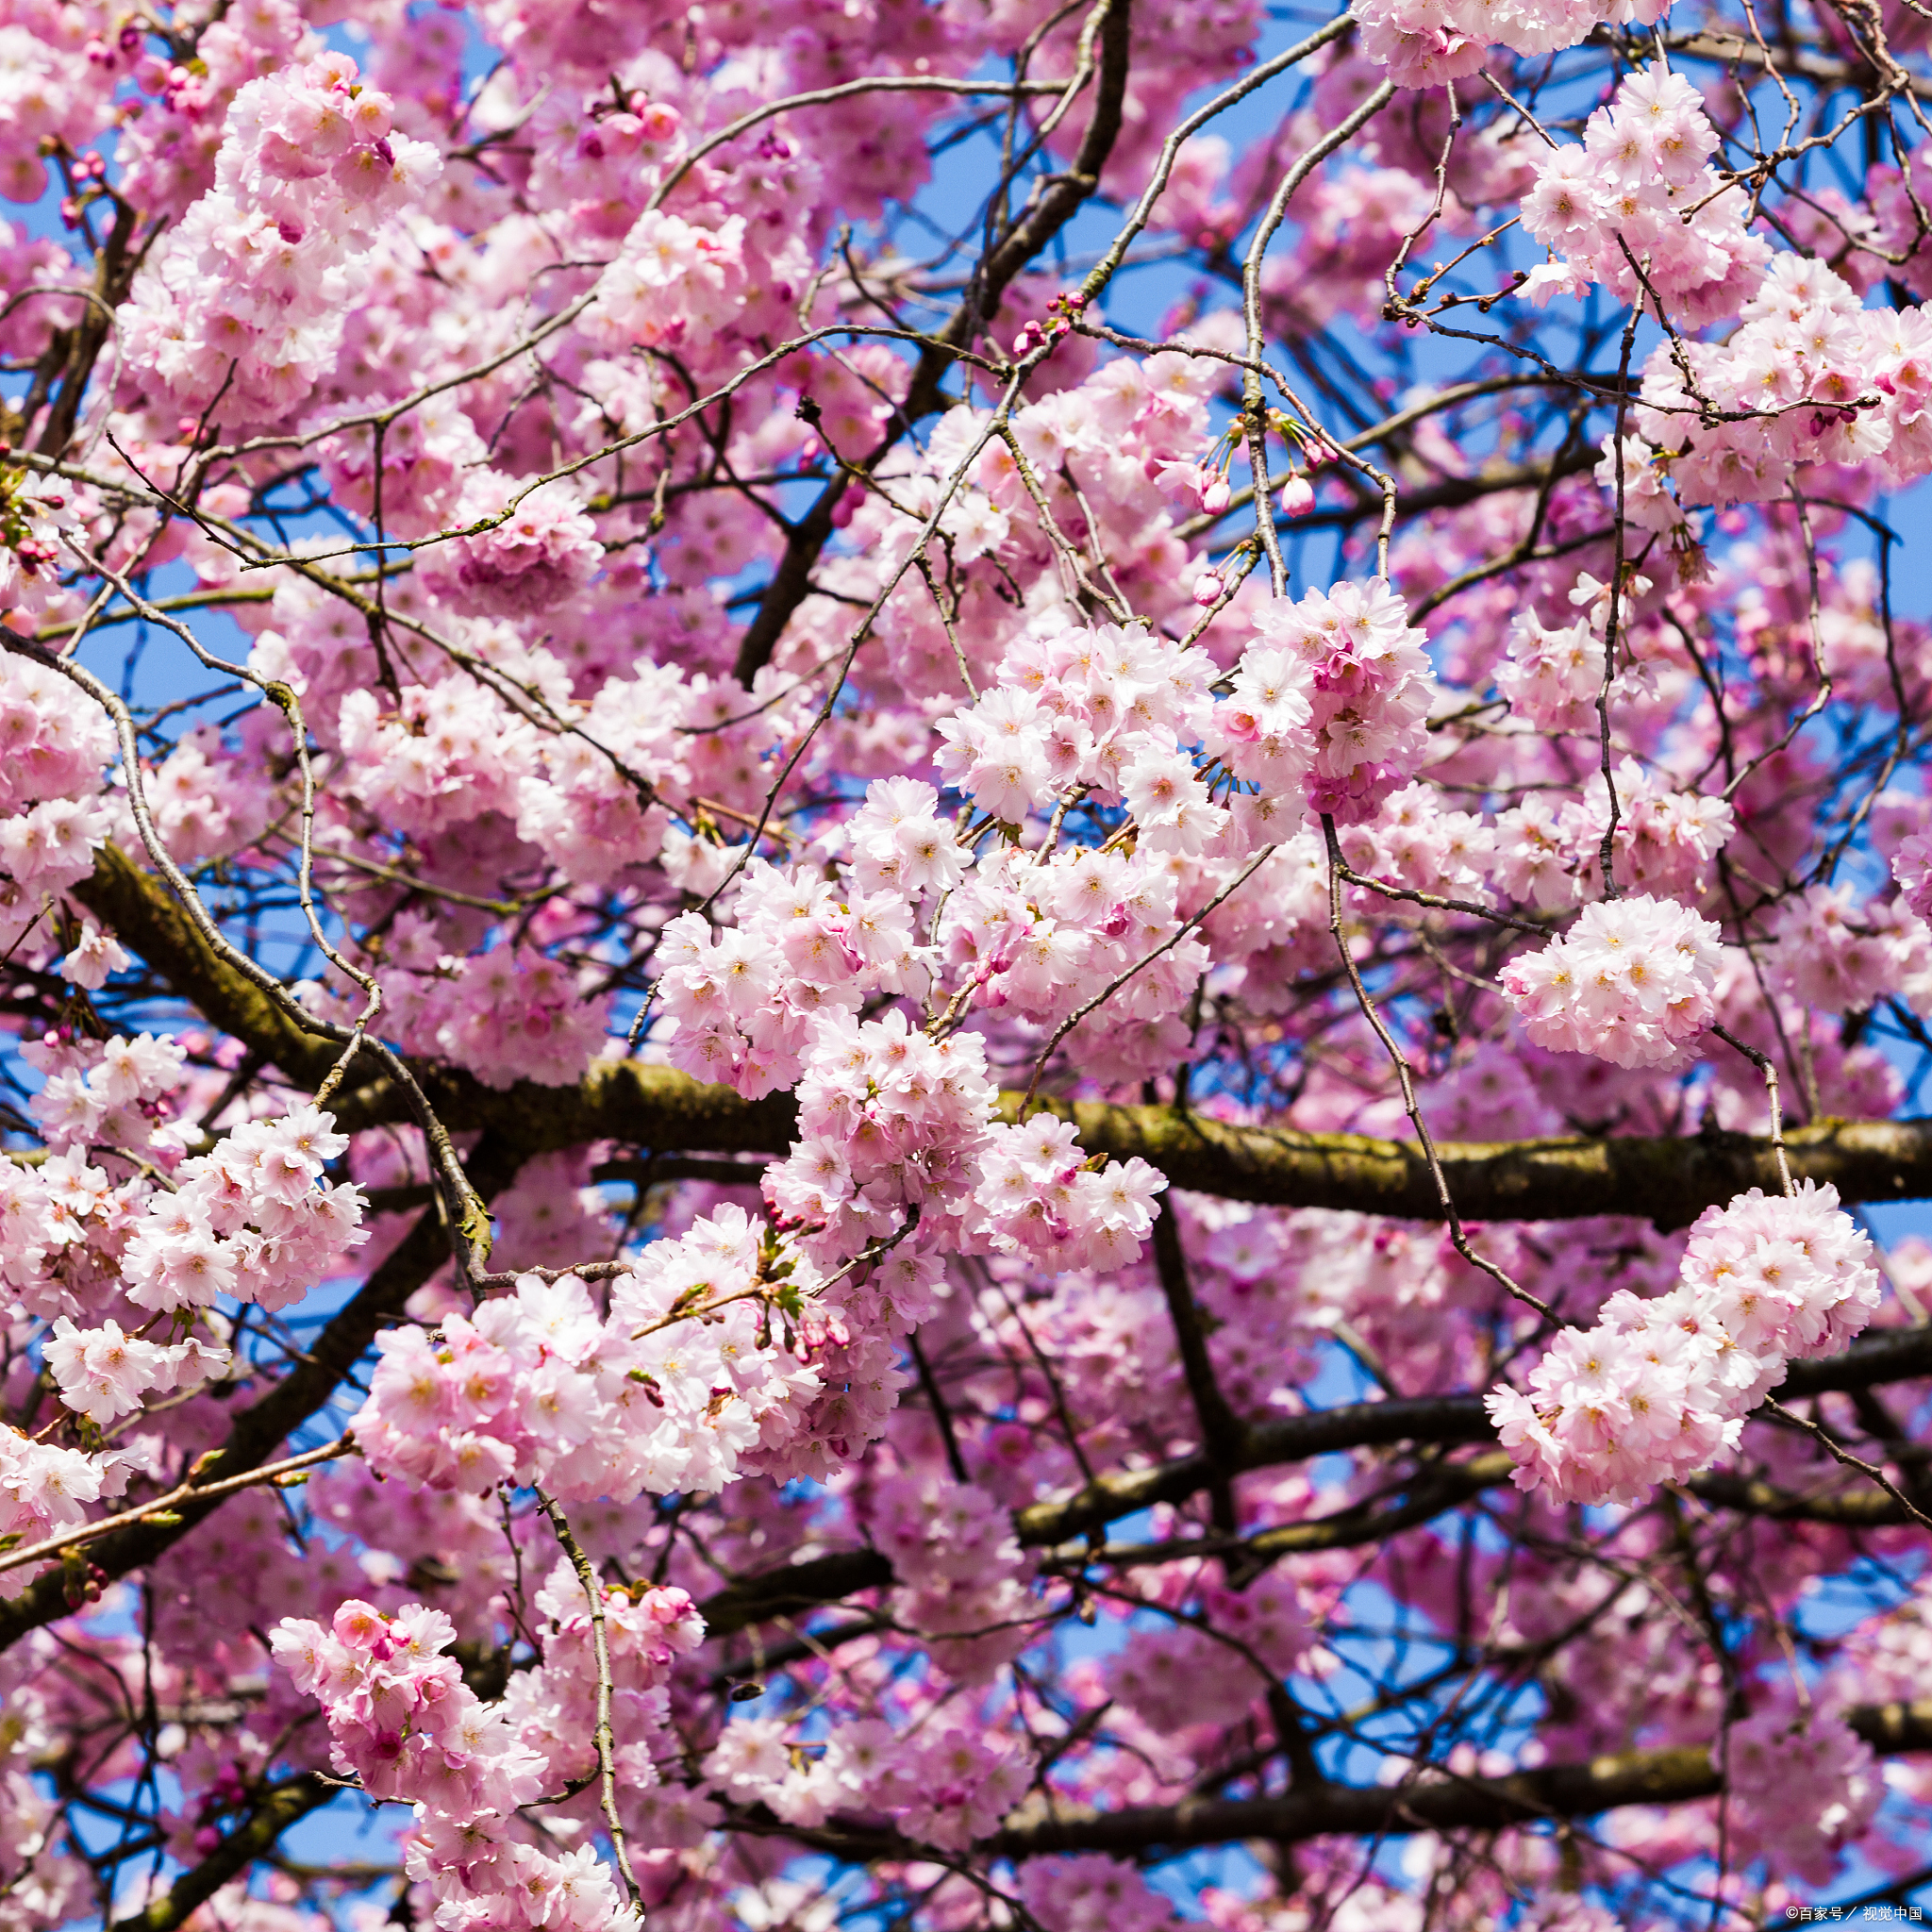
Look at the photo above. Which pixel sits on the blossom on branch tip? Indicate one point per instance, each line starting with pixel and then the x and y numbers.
pixel 1631 981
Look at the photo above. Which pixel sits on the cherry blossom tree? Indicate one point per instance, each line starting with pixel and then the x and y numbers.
pixel 956 958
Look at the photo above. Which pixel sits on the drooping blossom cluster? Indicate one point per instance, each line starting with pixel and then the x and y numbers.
pixel 1176 1676
pixel 1101 709
pixel 248 1219
pixel 1660 1388
pixel 1665 841
pixel 1354 660
pixel 534 548
pixel 950 1787
pixel 1834 952
pixel 509 1013
pixel 1553 677
pixel 45 1488
pixel 56 739
pixel 402 1722
pixel 1804 1783
pixel 245 1222
pixel 34 511
pixel 246 298
pixel 102 1372
pixel 959 1569
pixel 1631 981
pixel 1091 1893
pixel 1911 865
pixel 1639 208
pixel 1810 377
pixel 753 1001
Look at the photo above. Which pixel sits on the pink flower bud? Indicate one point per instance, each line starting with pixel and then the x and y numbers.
pixel 1207 588
pixel 1214 495
pixel 1297 496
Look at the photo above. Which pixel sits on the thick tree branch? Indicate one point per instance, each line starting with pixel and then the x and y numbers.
pixel 1432 1801
pixel 1437 1421
pixel 271 1815
pixel 1667 1179
pixel 1221 1428
pixel 1449 1484
pixel 1864 1507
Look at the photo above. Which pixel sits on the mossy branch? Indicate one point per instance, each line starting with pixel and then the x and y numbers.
pixel 1667 1179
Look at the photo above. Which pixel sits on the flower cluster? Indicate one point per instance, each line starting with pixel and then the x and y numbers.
pixel 1102 709
pixel 400 1717
pixel 509 1013
pixel 1037 938
pixel 1261 734
pixel 1911 866
pixel 65 1223
pixel 946 1787
pixel 1631 982
pixel 1042 1198
pixel 1639 208
pixel 1660 1387
pixel 754 1001
pixel 106 1094
pixel 403 1721
pixel 890 1119
pixel 1091 1893
pixel 1553 677
pixel 1175 1675
pixel 673 1388
pixel 1803 1784
pixel 1424 43
pixel 1811 376
pixel 203 808
pixel 442 752
pixel 533 549
pixel 1361 672
pixel 35 510
pixel 1277 924
pixel 43 1487
pixel 1548 855
pixel 1666 842
pixel 102 1372
pixel 1412 838
pixel 960 1569
pixel 247 1219
pixel 1837 956
pixel 56 739
pixel 671 279
pixel 247 297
